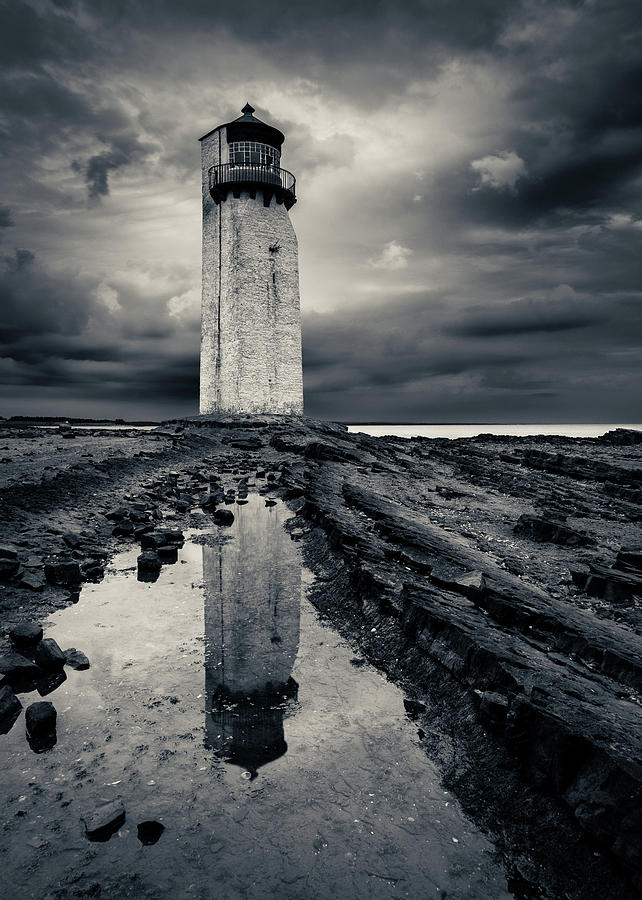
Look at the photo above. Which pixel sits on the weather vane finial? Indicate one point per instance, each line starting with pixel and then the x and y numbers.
pixel 247 109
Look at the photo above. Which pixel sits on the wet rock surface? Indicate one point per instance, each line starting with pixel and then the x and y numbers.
pixel 521 641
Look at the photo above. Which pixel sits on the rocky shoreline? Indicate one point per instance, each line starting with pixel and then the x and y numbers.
pixel 498 579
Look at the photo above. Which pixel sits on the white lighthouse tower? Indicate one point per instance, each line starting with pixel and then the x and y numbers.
pixel 250 311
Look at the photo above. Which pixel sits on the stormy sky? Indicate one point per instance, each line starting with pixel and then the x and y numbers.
pixel 469 219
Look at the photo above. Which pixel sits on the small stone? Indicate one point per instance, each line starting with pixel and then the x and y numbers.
pixel 49 655
pixel 26 635
pixel 104 821
pixel 76 659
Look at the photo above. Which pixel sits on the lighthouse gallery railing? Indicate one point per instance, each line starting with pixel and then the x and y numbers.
pixel 248 174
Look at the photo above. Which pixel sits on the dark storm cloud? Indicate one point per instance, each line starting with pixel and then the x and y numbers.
pixel 328 26
pixel 125 148
pixel 529 317
pixel 29 37
pixel 532 354
pixel 33 303
pixel 448 284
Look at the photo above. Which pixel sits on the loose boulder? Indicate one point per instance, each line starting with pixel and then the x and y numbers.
pixel 49 655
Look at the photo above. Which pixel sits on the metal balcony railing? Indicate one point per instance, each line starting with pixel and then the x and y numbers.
pixel 235 177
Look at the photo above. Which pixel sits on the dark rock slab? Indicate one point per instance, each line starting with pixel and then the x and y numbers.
pixel 614 585
pixel 319 450
pixel 629 560
pixel 547 531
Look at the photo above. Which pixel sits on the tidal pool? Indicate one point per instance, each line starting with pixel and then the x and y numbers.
pixel 253 758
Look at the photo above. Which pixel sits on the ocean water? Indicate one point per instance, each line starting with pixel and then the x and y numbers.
pixel 466 431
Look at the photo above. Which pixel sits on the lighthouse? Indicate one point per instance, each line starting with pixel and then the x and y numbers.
pixel 250 308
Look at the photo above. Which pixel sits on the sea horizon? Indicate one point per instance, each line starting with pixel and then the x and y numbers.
pixel 473 429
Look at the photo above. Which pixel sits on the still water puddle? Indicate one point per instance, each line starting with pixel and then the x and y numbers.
pixel 252 757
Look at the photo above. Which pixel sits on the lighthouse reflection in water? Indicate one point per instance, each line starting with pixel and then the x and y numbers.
pixel 252 589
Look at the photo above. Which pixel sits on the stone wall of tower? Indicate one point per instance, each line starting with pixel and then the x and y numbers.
pixel 251 321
